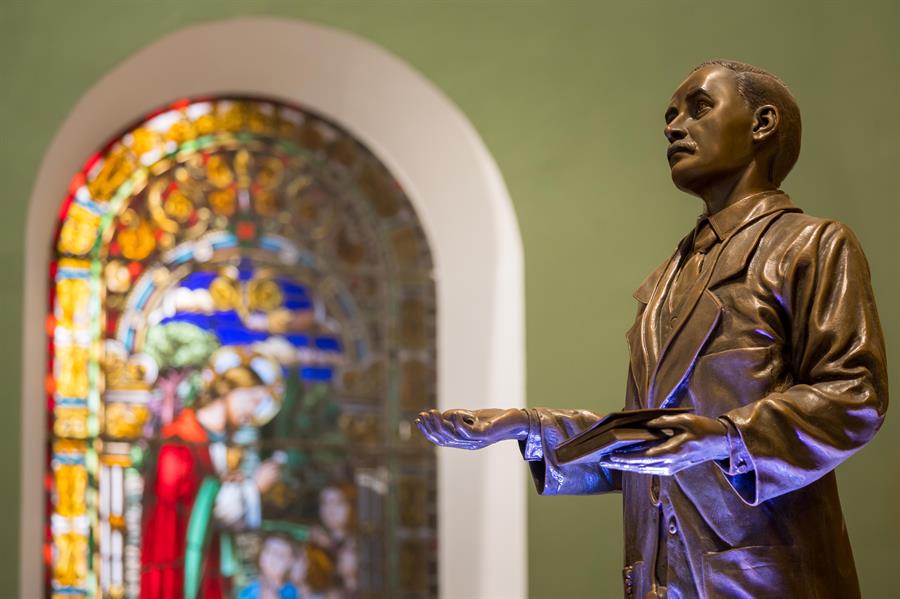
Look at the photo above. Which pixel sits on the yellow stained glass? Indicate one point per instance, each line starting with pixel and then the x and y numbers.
pixel 72 370
pixel 72 297
pixel 71 484
pixel 79 231
pixel 70 566
pixel 118 166
pixel 70 422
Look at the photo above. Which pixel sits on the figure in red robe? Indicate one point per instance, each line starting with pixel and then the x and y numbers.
pixel 241 389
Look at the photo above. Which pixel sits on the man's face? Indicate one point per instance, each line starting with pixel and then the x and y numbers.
pixel 709 126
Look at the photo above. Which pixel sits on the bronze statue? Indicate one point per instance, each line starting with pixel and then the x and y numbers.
pixel 763 322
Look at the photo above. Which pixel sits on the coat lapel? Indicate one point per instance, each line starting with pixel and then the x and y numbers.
pixel 700 315
pixel 643 336
pixel 702 310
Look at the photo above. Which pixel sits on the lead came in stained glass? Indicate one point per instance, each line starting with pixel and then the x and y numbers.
pixel 241 332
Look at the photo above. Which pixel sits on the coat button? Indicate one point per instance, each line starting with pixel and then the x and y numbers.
pixel 673 529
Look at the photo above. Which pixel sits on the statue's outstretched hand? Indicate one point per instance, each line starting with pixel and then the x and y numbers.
pixel 472 429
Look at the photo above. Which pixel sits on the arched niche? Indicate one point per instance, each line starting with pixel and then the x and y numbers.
pixel 454 187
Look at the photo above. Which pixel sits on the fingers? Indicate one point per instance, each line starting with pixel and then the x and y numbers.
pixel 666 451
pixel 658 460
pixel 426 424
pixel 659 469
pixel 679 421
pixel 462 422
pixel 649 467
pixel 668 447
pixel 446 429
pixel 639 458
pixel 466 416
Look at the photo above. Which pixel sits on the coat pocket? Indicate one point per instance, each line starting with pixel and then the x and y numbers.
pixel 759 572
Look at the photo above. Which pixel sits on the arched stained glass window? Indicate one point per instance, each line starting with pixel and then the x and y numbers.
pixel 241 331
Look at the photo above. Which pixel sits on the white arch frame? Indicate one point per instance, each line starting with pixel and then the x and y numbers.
pixel 457 191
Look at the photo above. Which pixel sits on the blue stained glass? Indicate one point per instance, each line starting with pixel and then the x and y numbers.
pixel 297 304
pixel 290 287
pixel 298 340
pixel 313 373
pixel 239 336
pixel 227 318
pixel 226 241
pixel 328 344
pixel 200 320
pixel 72 402
pixel 70 591
pixel 198 280
pixel 144 295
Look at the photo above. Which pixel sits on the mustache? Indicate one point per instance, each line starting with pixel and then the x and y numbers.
pixel 681 146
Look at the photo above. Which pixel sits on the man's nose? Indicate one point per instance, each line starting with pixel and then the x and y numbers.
pixel 674 131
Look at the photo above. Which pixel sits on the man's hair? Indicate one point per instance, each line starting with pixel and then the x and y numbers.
pixel 760 87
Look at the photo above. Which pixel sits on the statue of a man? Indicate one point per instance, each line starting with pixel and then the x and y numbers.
pixel 763 322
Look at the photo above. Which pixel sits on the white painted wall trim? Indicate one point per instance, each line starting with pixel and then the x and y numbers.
pixel 455 187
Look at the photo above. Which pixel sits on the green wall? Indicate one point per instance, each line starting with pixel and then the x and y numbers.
pixel 569 98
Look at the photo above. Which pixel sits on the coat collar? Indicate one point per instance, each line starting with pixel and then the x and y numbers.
pixel 742 230
pixel 726 223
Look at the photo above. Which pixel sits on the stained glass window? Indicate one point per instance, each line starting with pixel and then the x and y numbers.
pixel 241 330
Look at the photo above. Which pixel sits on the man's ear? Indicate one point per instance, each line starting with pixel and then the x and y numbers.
pixel 765 122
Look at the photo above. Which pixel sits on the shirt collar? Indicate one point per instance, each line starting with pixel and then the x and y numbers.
pixel 730 218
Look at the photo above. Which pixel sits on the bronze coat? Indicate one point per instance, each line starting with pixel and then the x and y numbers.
pixel 780 335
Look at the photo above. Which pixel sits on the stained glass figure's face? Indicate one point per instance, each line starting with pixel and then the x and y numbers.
pixel 242 403
pixel 275 559
pixel 334 509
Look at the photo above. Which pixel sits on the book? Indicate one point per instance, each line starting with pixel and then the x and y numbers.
pixel 617 431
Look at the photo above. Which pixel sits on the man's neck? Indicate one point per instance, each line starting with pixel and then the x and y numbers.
pixel 728 190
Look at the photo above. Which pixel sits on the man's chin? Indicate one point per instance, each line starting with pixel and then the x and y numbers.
pixel 685 181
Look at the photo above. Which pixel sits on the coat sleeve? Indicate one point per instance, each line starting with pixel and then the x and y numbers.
pixel 547 428
pixel 839 394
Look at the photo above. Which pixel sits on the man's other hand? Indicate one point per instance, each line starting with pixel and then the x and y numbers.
pixel 472 429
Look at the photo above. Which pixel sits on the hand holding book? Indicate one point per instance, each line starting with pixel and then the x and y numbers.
pixel 689 439
pixel 616 432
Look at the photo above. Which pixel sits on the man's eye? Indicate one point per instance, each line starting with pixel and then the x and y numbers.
pixel 701 107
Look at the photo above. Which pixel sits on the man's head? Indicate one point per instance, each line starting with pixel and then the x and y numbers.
pixel 725 117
